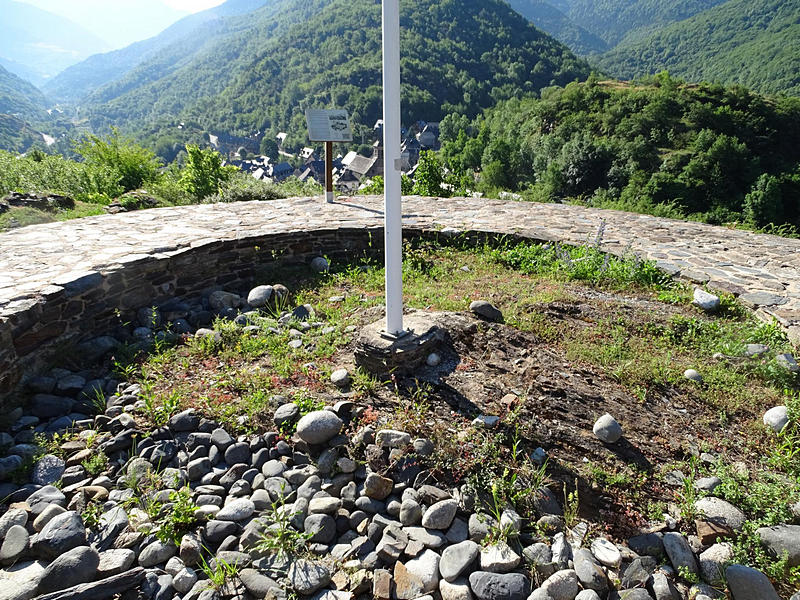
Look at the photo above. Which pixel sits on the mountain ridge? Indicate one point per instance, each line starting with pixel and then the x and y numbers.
pixel 79 81
pixel 40 42
pixel 267 66
pixel 549 18
pixel 20 97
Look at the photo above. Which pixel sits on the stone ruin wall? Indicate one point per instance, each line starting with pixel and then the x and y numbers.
pixel 35 332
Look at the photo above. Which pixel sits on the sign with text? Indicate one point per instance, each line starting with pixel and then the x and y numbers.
pixel 328 125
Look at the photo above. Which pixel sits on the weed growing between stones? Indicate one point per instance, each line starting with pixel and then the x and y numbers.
pixel 91 515
pixel 571 506
pixel 179 518
pixel 96 463
pixel 218 571
pixel 279 537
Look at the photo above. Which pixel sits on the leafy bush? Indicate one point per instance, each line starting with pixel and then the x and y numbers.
pixel 48 173
pixel 132 165
pixel 292 186
pixel 203 174
pixel 168 189
pixel 241 187
pixel 763 204
pixel 429 176
pixel 375 187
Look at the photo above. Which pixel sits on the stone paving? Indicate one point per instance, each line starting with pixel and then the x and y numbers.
pixel 763 270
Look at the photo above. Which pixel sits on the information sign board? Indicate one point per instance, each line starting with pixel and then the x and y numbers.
pixel 328 125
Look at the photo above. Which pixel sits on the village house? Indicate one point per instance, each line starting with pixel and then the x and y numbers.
pixel 428 138
pixel 308 155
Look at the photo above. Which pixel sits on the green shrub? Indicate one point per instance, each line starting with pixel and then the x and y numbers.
pixel 204 174
pixel 375 187
pixel 132 165
pixel 763 204
pixel 168 189
pixel 292 187
pixel 80 181
pixel 244 188
pixel 429 176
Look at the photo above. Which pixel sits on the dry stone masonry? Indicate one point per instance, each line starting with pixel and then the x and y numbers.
pixel 67 282
pixel 394 533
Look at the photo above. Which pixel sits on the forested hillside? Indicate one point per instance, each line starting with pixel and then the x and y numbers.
pixel 550 19
pixel 615 20
pixel 20 98
pixel 263 69
pixel 17 135
pixel 703 151
pixel 751 42
pixel 79 81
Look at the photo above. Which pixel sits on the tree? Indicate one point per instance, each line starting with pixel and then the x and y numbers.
pixel 428 177
pixel 204 174
pixel 269 147
pixel 131 164
pixel 763 204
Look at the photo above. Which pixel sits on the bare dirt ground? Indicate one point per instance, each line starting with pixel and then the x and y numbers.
pixel 494 369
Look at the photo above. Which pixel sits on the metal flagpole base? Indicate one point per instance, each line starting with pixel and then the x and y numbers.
pixel 387 335
pixel 329 197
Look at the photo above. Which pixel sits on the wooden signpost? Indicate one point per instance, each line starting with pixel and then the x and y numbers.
pixel 328 126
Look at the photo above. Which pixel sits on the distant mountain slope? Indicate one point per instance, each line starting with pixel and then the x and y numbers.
pixel 615 20
pixel 550 19
pixel 18 136
pixel 264 68
pixel 79 81
pixel 755 43
pixel 41 43
pixel 20 98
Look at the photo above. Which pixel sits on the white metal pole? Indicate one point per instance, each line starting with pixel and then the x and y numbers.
pixel 393 226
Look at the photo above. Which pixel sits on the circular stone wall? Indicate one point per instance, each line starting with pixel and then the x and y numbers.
pixel 62 284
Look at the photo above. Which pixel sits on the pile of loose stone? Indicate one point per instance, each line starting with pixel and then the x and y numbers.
pixel 378 524
pixel 375 520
